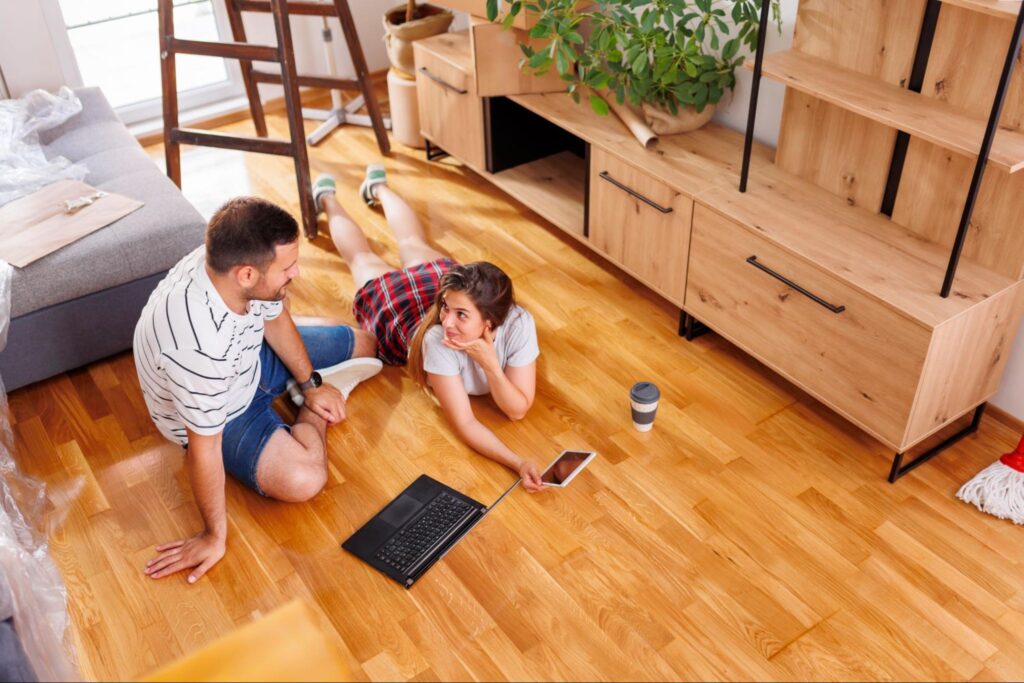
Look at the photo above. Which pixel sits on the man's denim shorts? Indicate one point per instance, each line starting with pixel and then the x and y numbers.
pixel 245 436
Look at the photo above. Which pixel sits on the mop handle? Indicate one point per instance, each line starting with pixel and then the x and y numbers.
pixel 1015 459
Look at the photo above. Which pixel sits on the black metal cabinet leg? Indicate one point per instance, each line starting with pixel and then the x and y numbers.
pixel 434 152
pixel 690 327
pixel 899 469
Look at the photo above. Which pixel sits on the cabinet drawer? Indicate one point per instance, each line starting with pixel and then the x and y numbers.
pixel 851 351
pixel 496 56
pixel 451 113
pixel 640 223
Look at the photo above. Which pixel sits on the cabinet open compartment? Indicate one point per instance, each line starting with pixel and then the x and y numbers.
pixel 537 162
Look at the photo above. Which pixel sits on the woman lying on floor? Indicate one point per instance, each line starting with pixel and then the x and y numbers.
pixel 458 326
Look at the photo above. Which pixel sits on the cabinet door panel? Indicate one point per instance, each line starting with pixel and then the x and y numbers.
pixel 451 113
pixel 640 223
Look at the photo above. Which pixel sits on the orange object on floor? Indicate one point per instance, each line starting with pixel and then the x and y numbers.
pixel 286 645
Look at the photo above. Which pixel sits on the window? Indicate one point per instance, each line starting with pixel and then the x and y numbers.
pixel 116 47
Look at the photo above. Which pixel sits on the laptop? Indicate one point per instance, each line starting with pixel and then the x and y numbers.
pixel 427 519
pixel 417 529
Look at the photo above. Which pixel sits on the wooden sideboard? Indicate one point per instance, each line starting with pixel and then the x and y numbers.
pixel 801 271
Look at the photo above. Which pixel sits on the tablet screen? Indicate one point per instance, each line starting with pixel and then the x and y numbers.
pixel 561 470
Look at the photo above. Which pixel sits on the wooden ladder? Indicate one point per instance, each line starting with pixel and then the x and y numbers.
pixel 283 54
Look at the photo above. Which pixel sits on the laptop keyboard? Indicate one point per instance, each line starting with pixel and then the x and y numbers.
pixel 413 544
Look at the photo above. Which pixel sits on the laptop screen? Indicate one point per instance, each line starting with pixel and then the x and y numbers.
pixel 563 468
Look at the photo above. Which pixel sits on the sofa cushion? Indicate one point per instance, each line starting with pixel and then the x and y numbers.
pixel 145 242
pixel 92 130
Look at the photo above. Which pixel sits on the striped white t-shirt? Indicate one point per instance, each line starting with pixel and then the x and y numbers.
pixel 198 361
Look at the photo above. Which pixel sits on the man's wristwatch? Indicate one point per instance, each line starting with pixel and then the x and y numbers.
pixel 313 382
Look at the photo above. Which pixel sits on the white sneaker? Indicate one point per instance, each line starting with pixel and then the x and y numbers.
pixel 345 376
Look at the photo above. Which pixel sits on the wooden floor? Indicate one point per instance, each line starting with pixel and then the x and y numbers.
pixel 750 535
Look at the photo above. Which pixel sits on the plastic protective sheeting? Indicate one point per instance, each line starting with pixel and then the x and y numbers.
pixel 23 166
pixel 37 592
pixel 6 274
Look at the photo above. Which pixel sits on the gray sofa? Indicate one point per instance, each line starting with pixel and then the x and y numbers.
pixel 80 303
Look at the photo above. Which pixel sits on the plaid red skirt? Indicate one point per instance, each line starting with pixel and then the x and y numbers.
pixel 392 305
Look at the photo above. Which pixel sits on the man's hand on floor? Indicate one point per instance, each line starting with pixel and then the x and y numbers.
pixel 202 551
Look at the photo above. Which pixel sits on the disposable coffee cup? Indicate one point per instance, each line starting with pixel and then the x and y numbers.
pixel 643 399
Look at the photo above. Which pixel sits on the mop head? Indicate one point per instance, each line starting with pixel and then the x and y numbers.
pixel 998 489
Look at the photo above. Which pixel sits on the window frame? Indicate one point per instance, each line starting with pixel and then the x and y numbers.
pixel 152 108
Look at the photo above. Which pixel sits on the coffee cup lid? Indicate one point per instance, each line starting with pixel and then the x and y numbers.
pixel 644 392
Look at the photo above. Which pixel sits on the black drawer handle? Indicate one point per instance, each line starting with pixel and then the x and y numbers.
pixel 437 79
pixel 782 278
pixel 605 176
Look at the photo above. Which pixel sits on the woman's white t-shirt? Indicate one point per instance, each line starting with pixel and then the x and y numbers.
pixel 515 342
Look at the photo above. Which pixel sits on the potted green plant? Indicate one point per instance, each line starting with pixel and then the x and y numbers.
pixel 671 58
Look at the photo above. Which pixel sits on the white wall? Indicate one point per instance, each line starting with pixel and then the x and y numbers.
pixel 732 111
pixel 1011 392
pixel 27 54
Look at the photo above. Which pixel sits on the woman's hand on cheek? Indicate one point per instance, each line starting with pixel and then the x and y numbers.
pixel 480 350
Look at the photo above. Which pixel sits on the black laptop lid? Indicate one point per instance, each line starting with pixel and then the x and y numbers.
pixel 365 542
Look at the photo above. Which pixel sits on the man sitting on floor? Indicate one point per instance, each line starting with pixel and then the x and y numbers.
pixel 215 346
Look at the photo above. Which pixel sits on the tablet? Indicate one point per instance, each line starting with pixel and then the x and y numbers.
pixel 565 467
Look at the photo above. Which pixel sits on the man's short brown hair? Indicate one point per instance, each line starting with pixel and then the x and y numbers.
pixel 245 232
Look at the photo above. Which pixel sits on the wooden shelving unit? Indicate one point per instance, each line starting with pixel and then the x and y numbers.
pixel 924 117
pixel 841 75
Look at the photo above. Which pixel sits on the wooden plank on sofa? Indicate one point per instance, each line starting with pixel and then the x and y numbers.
pixel 37 225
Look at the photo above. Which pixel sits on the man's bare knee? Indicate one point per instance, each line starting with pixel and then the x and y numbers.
pixel 291 467
pixel 365 344
pixel 301 484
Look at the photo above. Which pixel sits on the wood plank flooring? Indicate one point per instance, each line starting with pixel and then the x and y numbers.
pixel 750 535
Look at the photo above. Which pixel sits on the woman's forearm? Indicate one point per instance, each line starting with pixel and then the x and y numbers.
pixel 507 395
pixel 483 441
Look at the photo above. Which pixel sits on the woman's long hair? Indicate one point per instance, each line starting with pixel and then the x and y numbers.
pixel 487 286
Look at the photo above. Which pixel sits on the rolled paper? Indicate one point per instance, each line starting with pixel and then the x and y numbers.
pixel 633 121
